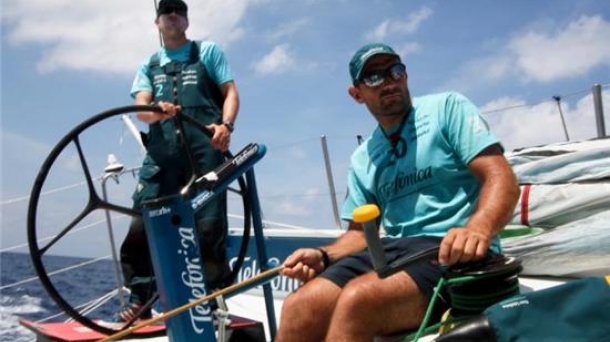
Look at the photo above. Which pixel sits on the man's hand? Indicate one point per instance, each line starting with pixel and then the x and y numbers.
pixel 303 264
pixel 221 136
pixel 462 245
pixel 169 111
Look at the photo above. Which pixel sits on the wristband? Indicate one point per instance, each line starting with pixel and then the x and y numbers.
pixel 325 257
pixel 229 126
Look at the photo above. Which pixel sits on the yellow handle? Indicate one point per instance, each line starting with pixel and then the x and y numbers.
pixel 365 213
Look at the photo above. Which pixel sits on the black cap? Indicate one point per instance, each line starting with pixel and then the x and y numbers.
pixel 165 6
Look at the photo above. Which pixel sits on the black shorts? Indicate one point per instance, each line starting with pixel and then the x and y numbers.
pixel 425 274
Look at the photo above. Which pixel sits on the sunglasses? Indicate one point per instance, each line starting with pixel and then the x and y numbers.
pixel 376 78
pixel 170 9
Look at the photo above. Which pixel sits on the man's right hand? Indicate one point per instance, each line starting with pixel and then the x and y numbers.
pixel 303 264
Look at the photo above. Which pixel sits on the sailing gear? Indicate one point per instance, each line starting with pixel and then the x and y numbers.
pixel 578 310
pixel 229 125
pixel 475 286
pixel 364 54
pixel 189 76
pixel 376 78
pixel 171 6
pixel 221 317
pixel 325 257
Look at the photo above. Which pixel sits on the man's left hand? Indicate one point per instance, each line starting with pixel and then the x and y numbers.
pixel 221 136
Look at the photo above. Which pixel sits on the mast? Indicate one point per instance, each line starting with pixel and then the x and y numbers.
pixel 156 9
pixel 557 98
pixel 331 183
pixel 599 110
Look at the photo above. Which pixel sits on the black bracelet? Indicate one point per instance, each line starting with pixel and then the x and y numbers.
pixel 229 125
pixel 325 257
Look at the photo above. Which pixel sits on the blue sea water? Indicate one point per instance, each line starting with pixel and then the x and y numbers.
pixel 23 296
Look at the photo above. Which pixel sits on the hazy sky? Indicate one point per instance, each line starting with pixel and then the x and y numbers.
pixel 64 61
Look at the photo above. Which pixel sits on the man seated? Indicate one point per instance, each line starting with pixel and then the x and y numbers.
pixel 439 177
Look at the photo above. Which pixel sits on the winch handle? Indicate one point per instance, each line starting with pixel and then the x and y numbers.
pixel 367 216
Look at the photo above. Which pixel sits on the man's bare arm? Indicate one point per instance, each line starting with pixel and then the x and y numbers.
pixel 498 197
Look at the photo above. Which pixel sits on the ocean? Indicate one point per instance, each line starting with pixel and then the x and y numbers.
pixel 23 296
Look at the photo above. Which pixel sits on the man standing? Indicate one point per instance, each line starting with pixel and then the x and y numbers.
pixel 191 77
pixel 440 179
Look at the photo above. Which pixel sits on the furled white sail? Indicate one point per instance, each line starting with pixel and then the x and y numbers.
pixel 565 191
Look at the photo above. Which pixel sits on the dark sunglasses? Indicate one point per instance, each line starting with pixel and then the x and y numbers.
pixel 376 78
pixel 170 9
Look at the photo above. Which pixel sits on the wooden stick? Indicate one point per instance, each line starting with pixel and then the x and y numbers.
pixel 185 307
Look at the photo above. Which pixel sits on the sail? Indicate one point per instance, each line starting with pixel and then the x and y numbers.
pixel 565 195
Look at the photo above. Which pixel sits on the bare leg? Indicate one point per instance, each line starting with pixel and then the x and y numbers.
pixel 369 306
pixel 306 312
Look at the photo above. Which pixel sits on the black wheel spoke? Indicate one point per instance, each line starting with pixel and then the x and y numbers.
pixel 65 231
pixel 93 197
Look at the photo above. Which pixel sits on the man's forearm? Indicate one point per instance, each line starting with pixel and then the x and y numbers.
pixel 498 198
pixel 230 106
pixel 144 98
pixel 350 242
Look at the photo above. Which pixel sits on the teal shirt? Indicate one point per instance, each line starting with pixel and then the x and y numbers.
pixel 210 55
pixel 429 189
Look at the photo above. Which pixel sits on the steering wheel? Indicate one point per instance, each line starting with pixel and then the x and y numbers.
pixel 55 227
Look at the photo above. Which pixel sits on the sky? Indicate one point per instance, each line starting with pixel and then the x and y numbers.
pixel 65 61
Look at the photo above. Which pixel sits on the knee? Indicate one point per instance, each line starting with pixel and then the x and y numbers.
pixel 303 308
pixel 298 303
pixel 358 299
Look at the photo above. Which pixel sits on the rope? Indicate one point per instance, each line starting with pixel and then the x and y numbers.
pixel 96 303
pixel 426 319
pixel 469 304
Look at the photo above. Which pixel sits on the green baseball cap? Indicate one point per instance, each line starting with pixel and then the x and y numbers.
pixel 364 54
pixel 167 6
